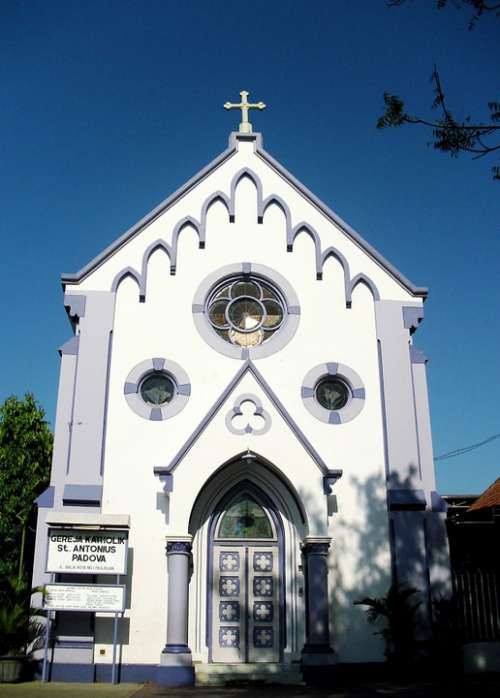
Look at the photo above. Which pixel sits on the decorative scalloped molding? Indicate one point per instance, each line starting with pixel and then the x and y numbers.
pixel 292 232
pixel 362 279
pixel 128 272
pixel 259 151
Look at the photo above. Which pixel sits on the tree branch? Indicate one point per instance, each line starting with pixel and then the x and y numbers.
pixel 478 7
pixel 449 135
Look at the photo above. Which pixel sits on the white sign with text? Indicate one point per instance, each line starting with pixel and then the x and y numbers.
pixel 84 597
pixel 87 552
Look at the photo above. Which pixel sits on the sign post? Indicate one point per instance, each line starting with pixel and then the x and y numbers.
pixel 48 623
pixel 85 551
pixel 115 638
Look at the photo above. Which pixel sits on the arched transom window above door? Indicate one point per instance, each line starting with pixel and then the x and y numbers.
pixel 245 518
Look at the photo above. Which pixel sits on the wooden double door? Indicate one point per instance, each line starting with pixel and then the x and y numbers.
pixel 245 602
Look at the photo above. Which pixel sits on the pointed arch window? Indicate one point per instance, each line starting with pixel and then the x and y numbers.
pixel 245 518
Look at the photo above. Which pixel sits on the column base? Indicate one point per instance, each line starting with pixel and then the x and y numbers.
pixel 176 656
pixel 318 655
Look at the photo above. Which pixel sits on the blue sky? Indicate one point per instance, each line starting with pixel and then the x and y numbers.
pixel 107 107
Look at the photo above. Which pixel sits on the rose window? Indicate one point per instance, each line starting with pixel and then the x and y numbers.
pixel 246 310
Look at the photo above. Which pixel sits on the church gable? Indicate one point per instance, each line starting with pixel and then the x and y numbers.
pixel 243 357
pixel 240 192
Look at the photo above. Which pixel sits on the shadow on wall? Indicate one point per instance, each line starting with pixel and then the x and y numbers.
pixel 163 505
pixel 374 547
pixel 362 563
pixel 365 543
pixel 370 549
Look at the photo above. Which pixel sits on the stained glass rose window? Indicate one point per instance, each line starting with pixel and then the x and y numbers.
pixel 246 310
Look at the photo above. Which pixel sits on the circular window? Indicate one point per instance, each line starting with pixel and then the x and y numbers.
pixel 157 388
pixel 245 310
pixel 332 393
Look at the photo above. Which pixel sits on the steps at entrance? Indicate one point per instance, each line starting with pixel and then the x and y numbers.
pixel 223 674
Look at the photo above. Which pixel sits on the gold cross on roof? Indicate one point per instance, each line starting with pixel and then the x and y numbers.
pixel 244 105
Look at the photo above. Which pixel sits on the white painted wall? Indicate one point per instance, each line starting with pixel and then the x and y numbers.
pixel 163 326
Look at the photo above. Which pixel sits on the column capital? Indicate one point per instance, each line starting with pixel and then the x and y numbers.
pixel 316 545
pixel 180 545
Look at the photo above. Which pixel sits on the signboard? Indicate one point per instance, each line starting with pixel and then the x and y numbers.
pixel 87 552
pixel 84 597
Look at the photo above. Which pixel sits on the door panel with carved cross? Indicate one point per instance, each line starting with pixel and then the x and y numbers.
pixel 245 603
pixel 263 604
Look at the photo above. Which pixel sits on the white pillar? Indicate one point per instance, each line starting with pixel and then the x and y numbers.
pixel 176 652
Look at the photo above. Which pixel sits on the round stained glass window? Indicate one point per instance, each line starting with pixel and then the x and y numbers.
pixel 245 311
pixel 245 288
pixel 332 393
pixel 157 388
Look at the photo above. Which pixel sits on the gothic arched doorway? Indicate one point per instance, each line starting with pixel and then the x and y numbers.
pixel 245 578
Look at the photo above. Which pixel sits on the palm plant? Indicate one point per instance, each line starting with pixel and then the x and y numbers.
pixel 18 626
pixel 398 609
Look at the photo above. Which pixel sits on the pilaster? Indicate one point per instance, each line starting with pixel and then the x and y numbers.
pixel 403 468
pixel 85 465
pixel 317 650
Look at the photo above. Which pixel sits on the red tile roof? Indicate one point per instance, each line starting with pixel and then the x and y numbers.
pixel 489 498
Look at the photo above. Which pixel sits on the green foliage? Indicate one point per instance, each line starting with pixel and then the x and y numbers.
pixel 397 611
pixel 18 626
pixel 25 456
pixel 394 114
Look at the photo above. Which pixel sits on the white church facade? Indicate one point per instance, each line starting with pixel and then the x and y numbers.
pixel 242 395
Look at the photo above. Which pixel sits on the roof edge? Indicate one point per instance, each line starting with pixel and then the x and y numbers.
pixel 77 277
pixel 489 499
pixel 420 291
